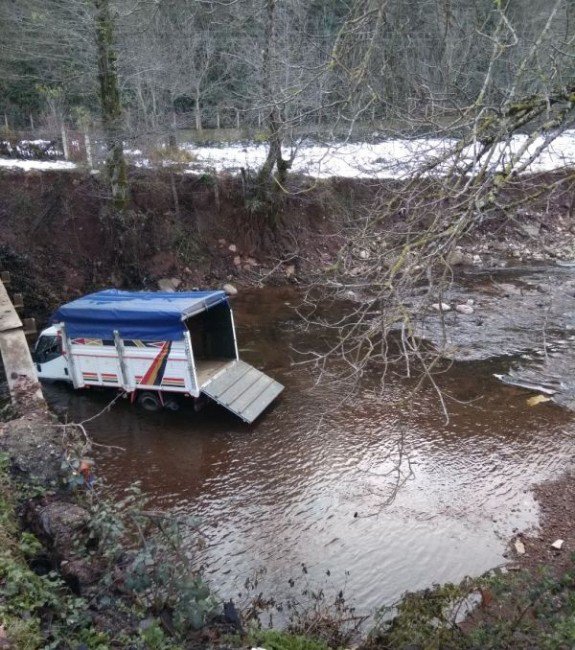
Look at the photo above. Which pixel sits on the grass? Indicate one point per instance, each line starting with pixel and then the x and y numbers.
pixel 171 156
pixel 277 640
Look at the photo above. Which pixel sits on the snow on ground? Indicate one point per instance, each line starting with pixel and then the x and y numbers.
pixel 394 158
pixel 387 159
pixel 35 165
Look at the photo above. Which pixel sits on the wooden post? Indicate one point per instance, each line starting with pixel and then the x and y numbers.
pixel 217 192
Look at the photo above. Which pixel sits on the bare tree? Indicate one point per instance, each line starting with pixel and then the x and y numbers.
pixel 398 253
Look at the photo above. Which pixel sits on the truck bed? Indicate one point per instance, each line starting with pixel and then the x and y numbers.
pixel 206 370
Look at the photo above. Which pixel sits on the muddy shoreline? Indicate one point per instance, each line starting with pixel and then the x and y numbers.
pixel 556 501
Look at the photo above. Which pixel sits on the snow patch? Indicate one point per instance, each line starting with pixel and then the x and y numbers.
pixel 36 165
pixel 393 158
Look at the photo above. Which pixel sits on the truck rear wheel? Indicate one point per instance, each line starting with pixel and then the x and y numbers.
pixel 149 401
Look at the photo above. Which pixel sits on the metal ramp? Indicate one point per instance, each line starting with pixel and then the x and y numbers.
pixel 243 390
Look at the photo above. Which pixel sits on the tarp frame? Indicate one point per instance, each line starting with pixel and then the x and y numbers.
pixel 135 315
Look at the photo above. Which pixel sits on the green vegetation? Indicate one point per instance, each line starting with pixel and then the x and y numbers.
pixel 514 610
pixel 55 617
pixel 142 551
pixel 276 640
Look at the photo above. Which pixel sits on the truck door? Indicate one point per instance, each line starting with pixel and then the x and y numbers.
pixel 49 360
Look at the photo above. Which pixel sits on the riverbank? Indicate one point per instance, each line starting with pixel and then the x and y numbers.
pixel 184 231
pixel 82 569
pixel 527 603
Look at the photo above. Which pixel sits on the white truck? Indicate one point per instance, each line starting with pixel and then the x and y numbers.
pixel 156 346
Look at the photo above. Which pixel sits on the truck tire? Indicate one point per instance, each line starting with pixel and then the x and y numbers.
pixel 149 401
pixel 171 404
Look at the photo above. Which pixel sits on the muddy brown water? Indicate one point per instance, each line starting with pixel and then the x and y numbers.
pixel 303 491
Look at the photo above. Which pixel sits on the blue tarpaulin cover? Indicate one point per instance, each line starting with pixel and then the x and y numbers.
pixel 136 315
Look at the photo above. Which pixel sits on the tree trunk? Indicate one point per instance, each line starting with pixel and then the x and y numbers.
pixel 217 117
pixel 111 107
pixel 198 113
pixel 175 196
pixel 64 135
pixel 172 138
pixel 274 120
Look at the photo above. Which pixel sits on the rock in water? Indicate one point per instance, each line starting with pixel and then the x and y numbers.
pixel 464 309
pixel 230 289
pixel 530 229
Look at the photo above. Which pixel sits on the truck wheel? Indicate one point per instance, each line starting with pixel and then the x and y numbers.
pixel 149 401
pixel 171 404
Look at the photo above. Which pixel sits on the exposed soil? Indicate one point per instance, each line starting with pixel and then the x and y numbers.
pixel 54 239
pixel 557 521
pixel 209 229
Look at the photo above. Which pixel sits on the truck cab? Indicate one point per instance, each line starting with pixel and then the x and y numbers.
pixel 48 355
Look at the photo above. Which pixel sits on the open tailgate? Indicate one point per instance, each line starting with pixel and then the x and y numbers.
pixel 243 390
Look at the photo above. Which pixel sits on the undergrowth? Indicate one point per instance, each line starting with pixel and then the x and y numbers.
pixel 508 610
pixel 37 611
pixel 277 640
pixel 148 595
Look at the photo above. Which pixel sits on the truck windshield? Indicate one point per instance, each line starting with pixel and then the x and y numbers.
pixel 47 348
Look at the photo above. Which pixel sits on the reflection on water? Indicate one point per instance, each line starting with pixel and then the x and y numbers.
pixel 287 492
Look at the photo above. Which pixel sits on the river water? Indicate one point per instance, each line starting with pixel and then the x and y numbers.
pixel 301 498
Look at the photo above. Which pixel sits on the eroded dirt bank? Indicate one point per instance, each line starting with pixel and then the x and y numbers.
pixel 202 231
